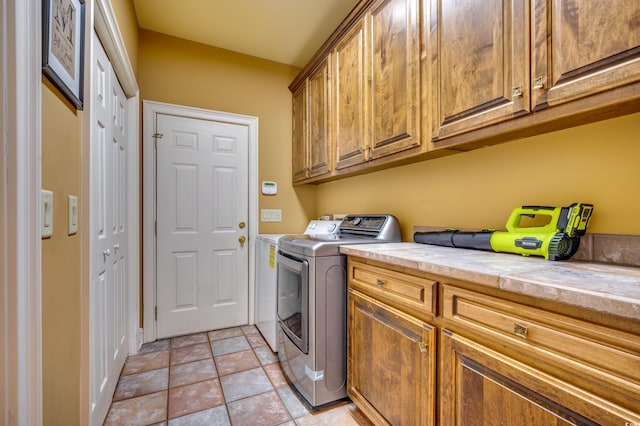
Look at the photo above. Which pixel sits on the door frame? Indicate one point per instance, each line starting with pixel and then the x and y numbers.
pixel 20 243
pixel 151 110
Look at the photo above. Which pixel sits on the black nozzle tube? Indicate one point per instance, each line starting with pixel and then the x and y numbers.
pixel 473 240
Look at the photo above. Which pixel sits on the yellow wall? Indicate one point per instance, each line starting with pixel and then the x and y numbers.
pixel 595 163
pixel 64 389
pixel 128 25
pixel 180 72
pixel 61 171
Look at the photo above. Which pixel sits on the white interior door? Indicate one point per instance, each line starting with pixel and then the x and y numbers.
pixel 202 225
pixel 109 234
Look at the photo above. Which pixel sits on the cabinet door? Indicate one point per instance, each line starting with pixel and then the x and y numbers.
pixel 483 387
pixel 298 149
pixel 394 73
pixel 391 363
pixel 478 63
pixel 349 113
pixel 583 47
pixel 319 143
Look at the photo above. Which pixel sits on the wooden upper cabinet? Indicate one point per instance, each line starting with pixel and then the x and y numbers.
pixel 298 149
pixel 583 47
pixel 393 98
pixel 478 63
pixel 349 83
pixel 319 143
pixel 311 136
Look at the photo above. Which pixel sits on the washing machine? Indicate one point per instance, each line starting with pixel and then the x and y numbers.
pixel 266 274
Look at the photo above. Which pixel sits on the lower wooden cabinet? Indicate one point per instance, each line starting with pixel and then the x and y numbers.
pixel 480 386
pixel 391 363
pixel 425 351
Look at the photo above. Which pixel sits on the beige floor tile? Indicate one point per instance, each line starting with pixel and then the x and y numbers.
pixel 236 362
pixel 225 333
pixel 265 409
pixel 191 339
pixel 146 362
pixel 344 414
pixel 190 353
pixel 141 384
pixel 192 372
pixel 275 375
pixel 196 397
pixel 143 410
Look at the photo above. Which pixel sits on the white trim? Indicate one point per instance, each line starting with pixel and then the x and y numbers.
pixel 133 220
pixel 150 111
pixel 20 252
pixel 108 31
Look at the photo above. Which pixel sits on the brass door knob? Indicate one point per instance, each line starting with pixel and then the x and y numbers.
pixel 242 239
pixel 241 225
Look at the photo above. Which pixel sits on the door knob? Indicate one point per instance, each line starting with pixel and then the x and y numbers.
pixel 242 239
pixel 241 225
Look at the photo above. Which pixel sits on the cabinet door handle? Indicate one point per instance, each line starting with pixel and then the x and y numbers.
pixel 537 83
pixel 422 346
pixel 379 282
pixel 520 330
pixel 516 91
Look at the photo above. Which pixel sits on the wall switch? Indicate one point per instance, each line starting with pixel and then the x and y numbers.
pixel 271 215
pixel 73 214
pixel 46 201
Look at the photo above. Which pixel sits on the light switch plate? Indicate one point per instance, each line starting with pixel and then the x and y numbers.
pixel 73 214
pixel 271 215
pixel 46 201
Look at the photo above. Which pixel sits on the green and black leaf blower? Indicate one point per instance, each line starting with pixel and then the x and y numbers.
pixel 557 239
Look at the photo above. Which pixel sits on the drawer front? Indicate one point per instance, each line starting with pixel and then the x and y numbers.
pixel 580 352
pixel 417 294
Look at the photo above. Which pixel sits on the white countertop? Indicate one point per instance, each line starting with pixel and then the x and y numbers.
pixel 601 287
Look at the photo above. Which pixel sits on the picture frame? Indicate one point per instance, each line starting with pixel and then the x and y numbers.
pixel 63 47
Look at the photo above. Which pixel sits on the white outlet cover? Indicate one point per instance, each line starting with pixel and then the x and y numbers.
pixel 73 214
pixel 46 202
pixel 271 215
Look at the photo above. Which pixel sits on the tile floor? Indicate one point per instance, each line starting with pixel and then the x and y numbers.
pixel 224 377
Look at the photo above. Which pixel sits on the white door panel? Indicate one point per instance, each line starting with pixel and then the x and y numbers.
pixel 108 302
pixel 202 198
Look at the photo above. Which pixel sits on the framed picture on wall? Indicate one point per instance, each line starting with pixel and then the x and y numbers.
pixel 63 47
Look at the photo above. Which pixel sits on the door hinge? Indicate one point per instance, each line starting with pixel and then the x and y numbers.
pixel 155 227
pixel 156 313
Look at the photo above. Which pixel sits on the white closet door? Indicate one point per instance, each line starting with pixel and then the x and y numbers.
pixel 108 296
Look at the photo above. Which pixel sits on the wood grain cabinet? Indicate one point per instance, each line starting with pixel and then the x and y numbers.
pixel 422 351
pixel 377 68
pixel 391 357
pixel 374 69
pixel 311 137
pixel 494 60
pixel 532 367
pixel 405 80
pixel 477 63
pixel 583 48
pixel 393 62
pixel 391 363
pixel 349 106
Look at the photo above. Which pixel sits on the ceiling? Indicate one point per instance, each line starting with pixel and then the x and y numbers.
pixel 285 31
